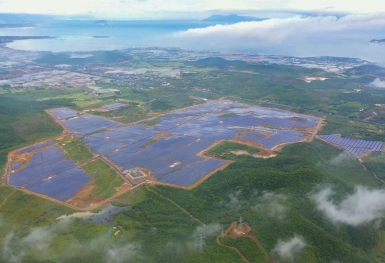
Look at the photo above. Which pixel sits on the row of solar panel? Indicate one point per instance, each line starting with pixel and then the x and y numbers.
pixel 160 159
pixel 16 165
pixel 271 113
pixel 374 145
pixel 205 108
pixel 50 174
pixel 114 106
pixel 356 151
pixel 60 188
pixel 356 147
pixel 192 173
pixel 271 141
pixel 63 113
pixel 36 147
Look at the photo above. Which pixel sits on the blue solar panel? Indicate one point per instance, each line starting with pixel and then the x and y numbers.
pixel 36 147
pixel 202 125
pixel 192 173
pixel 60 188
pixel 16 165
pixel 76 174
pixel 114 106
pixel 63 113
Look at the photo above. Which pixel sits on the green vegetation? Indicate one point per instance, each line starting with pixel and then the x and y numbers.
pixel 164 222
pixel 226 147
pixel 131 198
pixel 153 122
pixel 227 115
pixel 294 173
pixel 76 150
pixel 375 163
pixel 23 121
pixel 106 179
pixel 353 129
pixel 248 249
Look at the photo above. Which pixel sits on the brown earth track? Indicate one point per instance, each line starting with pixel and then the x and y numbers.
pixel 244 232
pixel 6 198
pixel 233 248
pixel 178 206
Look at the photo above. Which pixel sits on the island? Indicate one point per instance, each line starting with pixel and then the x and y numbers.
pixel 377 41
pixel 101 22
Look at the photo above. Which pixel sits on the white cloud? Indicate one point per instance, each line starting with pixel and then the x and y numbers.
pixel 207 230
pixel 272 205
pixel 234 203
pixel 39 240
pixel 377 83
pixel 280 29
pixel 362 206
pixel 342 157
pixel 147 8
pixel 8 254
pixel 287 250
pixel 122 254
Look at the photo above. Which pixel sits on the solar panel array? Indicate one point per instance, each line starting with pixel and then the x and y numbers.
pixel 114 106
pixel 82 124
pixel 192 173
pixel 355 147
pixel 63 113
pixel 36 147
pixel 16 165
pixel 49 173
pixel 274 138
pixel 193 130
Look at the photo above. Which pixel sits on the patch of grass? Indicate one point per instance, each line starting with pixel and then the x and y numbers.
pixel 106 179
pixel 76 150
pixel 131 198
pixel 29 210
pixel 227 146
pixel 375 163
pixel 153 122
pixel 6 191
pixel 227 115
pixel 353 129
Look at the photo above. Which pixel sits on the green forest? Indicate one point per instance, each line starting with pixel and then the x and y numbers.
pixel 278 197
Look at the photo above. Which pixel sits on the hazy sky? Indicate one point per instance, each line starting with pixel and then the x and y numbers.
pixel 147 9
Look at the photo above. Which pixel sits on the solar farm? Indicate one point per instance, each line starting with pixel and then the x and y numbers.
pixel 355 147
pixel 48 172
pixel 170 152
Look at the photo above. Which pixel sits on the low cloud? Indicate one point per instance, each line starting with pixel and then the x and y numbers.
pixel 362 206
pixel 272 205
pixel 342 157
pixel 234 202
pixel 126 253
pixel 280 29
pixel 207 230
pixel 39 239
pixel 288 249
pixel 377 83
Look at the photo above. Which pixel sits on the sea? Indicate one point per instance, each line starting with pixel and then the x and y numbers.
pixel 79 35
